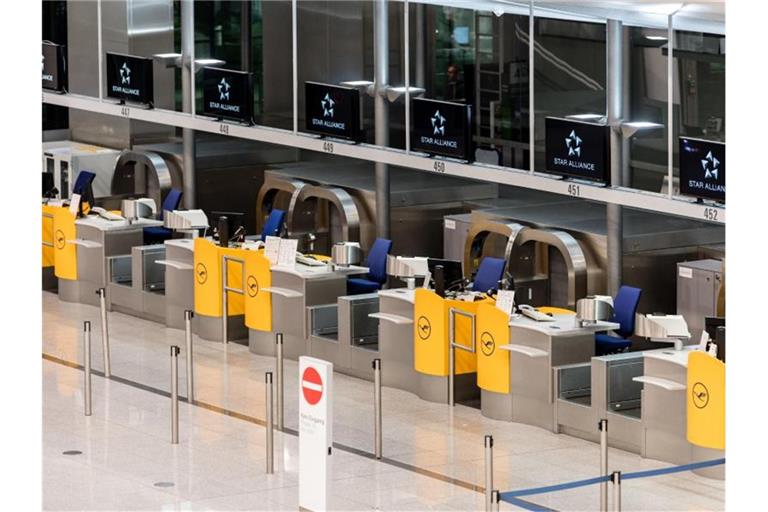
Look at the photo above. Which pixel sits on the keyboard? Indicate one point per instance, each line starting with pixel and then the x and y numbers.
pixel 310 262
pixel 536 315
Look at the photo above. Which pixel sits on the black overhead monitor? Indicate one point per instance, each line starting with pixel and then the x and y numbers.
pixel 578 149
pixel 702 168
pixel 442 128
pixel 228 94
pixel 54 67
pixel 129 78
pixel 332 110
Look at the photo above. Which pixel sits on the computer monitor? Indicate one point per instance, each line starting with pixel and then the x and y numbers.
pixel 453 274
pixel 715 327
pixel 48 184
pixel 234 222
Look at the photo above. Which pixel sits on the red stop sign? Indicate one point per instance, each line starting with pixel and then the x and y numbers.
pixel 311 386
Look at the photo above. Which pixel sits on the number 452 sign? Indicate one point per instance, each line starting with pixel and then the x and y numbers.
pixel 315 432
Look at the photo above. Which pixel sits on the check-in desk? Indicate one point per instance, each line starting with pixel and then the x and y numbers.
pixel 533 350
pixel 86 244
pixel 136 282
pixel 48 248
pixel 396 339
pixel 431 346
pixel 179 280
pixel 293 291
pixel 683 407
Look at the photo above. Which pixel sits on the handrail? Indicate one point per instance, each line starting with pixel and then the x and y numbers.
pixel 452 346
pixel 225 288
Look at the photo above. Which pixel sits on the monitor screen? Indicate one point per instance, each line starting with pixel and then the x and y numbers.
pixel 228 94
pixel 702 168
pixel 332 110
pixel 48 184
pixel 452 271
pixel 442 128
pixel 54 67
pixel 577 149
pixel 129 78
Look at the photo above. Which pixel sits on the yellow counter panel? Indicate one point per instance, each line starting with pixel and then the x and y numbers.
pixel 207 270
pixel 492 326
pixel 65 253
pixel 48 250
pixel 705 401
pixel 258 304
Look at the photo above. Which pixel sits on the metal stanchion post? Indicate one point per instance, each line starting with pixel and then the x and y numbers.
pixel 616 480
pixel 377 406
pixel 279 378
pixel 87 365
pixel 488 473
pixel 188 314
pixel 496 498
pixel 451 359
pixel 102 293
pixel 175 394
pixel 270 433
pixel 603 428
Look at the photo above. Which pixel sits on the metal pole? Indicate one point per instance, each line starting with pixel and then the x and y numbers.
pixel 280 381
pixel 102 293
pixel 420 30
pixel 87 365
pixel 451 359
pixel 670 103
pixel 603 428
pixel 531 103
pixel 188 314
pixel 488 473
pixel 224 305
pixel 188 99
pixel 101 56
pixel 245 35
pixel 377 406
pixel 407 62
pixel 616 479
pixel 175 394
pixel 295 56
pixel 614 107
pixel 496 498
pixel 381 111
pixel 270 432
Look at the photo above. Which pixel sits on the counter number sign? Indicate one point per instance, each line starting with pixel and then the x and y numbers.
pixel 700 395
pixel 425 328
pixel 487 344
pixel 253 286
pixel 201 273
pixel 311 386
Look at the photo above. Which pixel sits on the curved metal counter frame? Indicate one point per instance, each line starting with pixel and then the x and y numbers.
pixel 161 177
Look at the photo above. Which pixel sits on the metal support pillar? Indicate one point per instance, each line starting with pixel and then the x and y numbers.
pixel 175 394
pixel 614 107
pixel 377 407
pixel 87 366
pixel 245 35
pixel 188 314
pixel 626 79
pixel 187 95
pixel 270 427
pixel 420 26
pixel 488 473
pixel 616 480
pixel 381 110
pixel 603 428
pixel 280 382
pixel 102 293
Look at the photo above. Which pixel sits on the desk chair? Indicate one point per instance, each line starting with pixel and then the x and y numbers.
pixel 377 270
pixel 159 234
pixel 84 187
pixel 489 273
pixel 274 224
pixel 624 309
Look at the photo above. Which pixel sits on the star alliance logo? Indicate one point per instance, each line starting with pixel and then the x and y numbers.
pixel 438 124
pixel 224 88
pixel 573 143
pixel 711 166
pixel 125 74
pixel 327 103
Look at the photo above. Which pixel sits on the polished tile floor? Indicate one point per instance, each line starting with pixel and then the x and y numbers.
pixel 435 454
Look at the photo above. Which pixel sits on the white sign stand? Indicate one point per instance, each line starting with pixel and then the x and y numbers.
pixel 315 432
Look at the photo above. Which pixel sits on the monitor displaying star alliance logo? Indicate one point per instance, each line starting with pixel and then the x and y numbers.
pixel 442 128
pixel 573 143
pixel 577 149
pixel 711 165
pixel 125 74
pixel 228 94
pixel 438 124
pixel 332 110
pixel 54 67
pixel 702 168
pixel 327 104
pixel 224 90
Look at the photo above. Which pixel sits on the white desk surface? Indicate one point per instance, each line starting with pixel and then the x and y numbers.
pixel 678 357
pixel 113 225
pixel 399 293
pixel 562 324
pixel 183 243
pixel 310 272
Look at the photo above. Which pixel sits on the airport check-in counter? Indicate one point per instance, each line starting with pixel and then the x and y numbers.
pixel 136 282
pixel 521 354
pixel 179 280
pixel 49 248
pixel 396 339
pixel 88 244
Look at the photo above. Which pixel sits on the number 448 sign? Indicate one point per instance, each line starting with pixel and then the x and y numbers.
pixel 315 432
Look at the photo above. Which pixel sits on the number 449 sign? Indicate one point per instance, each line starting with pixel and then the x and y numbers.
pixel 315 432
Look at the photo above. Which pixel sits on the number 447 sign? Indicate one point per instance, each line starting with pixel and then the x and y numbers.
pixel 315 432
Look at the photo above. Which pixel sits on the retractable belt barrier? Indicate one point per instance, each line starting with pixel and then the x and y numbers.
pixel 513 496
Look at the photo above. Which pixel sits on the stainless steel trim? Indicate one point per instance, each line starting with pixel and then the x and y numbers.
pixel 482 228
pixel 343 202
